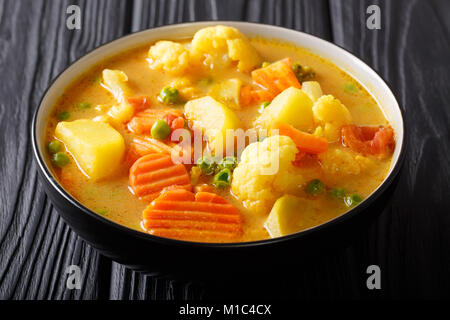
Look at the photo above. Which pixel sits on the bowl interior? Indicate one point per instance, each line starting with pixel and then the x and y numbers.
pixel 343 59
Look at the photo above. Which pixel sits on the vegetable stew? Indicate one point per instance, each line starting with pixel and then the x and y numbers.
pixel 218 138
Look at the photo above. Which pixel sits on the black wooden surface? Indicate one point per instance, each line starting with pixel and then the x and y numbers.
pixel 410 239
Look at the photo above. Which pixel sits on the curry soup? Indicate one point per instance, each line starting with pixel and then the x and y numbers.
pixel 330 140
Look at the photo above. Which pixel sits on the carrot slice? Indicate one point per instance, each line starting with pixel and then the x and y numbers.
pixel 246 95
pixel 305 142
pixel 276 77
pixel 205 216
pixel 368 140
pixel 178 123
pixel 142 146
pixel 203 188
pixel 150 174
pixel 139 103
pixel 260 95
pixel 143 121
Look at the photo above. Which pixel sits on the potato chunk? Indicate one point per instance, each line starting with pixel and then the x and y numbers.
pixel 290 214
pixel 331 115
pixel 214 119
pixel 312 89
pixel 292 106
pixel 168 56
pixel 227 92
pixel 97 148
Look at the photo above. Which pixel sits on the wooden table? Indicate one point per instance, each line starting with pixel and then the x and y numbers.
pixel 410 240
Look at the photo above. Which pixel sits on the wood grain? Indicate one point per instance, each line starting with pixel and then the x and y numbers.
pixel 409 240
pixel 411 53
pixel 35 245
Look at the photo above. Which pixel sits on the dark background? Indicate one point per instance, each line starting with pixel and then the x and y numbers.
pixel 409 240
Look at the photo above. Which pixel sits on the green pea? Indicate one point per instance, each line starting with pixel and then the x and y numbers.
pixel 160 130
pixel 265 64
pixel 207 165
pixel 228 163
pixel 169 95
pixel 264 105
pixel 205 82
pixel 60 159
pixel 303 73
pixel 350 87
pixel 338 193
pixel 83 105
pixel 352 200
pixel 296 67
pixel 222 179
pixel 102 212
pixel 65 115
pixel 315 187
pixel 54 146
pixel 96 79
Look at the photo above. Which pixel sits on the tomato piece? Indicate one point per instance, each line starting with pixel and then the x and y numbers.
pixel 383 141
pixel 352 137
pixel 368 140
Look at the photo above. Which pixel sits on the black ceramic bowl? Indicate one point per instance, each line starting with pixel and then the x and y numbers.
pixel 150 253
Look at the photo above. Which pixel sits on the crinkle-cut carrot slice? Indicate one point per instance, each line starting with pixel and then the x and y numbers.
pixel 203 187
pixel 205 216
pixel 368 140
pixel 276 77
pixel 150 174
pixel 176 194
pixel 142 146
pixel 194 235
pixel 143 121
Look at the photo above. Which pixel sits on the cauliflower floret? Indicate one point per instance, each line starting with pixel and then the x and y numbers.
pixel 266 172
pixel 116 82
pixel 186 89
pixel 241 50
pixel 341 162
pixel 168 56
pixel 220 45
pixel 331 115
